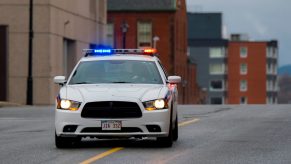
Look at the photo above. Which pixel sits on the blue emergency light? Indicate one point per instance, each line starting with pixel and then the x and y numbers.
pixel 102 51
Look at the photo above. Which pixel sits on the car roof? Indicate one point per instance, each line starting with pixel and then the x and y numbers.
pixel 120 57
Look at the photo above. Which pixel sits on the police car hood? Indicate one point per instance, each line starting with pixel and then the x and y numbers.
pixel 112 92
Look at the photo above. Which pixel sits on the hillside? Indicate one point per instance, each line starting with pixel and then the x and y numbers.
pixel 286 69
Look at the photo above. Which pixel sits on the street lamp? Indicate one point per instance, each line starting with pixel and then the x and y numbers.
pixel 29 92
pixel 155 39
pixel 124 27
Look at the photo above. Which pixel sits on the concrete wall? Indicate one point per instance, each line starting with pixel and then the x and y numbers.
pixel 82 21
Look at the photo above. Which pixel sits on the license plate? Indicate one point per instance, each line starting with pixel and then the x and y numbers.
pixel 111 125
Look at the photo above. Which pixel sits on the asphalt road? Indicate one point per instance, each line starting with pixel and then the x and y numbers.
pixel 207 134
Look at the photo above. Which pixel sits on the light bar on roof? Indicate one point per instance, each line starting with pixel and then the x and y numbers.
pixel 102 52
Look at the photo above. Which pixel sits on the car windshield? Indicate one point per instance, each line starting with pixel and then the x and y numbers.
pixel 116 71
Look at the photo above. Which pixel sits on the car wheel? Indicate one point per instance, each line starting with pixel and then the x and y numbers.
pixel 175 131
pixel 166 141
pixel 66 142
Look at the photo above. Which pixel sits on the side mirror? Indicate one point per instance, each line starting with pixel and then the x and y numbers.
pixel 60 80
pixel 174 79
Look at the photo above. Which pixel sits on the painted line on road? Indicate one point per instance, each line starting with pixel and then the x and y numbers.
pixel 113 150
pixel 188 122
pixel 102 155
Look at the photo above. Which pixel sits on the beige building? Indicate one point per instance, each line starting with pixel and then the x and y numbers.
pixel 62 28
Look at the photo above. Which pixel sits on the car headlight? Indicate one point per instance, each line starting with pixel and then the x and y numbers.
pixel 68 104
pixel 155 104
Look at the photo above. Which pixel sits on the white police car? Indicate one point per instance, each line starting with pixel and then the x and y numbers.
pixel 117 93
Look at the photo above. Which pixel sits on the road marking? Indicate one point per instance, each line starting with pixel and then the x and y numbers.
pixel 113 150
pixel 188 122
pixel 102 155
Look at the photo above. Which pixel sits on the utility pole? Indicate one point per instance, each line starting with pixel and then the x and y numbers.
pixel 29 92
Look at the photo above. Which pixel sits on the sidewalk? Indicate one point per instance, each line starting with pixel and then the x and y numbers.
pixel 8 104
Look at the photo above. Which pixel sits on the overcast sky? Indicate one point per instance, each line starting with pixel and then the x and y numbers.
pixel 260 19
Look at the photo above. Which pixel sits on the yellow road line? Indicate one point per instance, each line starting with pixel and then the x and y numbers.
pixel 188 122
pixel 113 150
pixel 102 155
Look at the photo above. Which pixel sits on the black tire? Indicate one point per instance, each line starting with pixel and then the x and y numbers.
pixel 175 131
pixel 66 142
pixel 166 141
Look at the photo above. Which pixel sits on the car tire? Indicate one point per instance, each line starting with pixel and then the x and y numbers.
pixel 167 141
pixel 66 142
pixel 176 131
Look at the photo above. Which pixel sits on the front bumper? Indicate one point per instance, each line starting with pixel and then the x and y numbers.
pixel 160 118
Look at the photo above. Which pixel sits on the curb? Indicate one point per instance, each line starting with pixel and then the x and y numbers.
pixel 8 104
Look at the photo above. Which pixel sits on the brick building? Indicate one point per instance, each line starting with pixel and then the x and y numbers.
pixel 252 71
pixel 235 71
pixel 61 30
pixel 145 20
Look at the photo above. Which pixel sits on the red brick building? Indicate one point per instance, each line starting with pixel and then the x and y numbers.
pixel 135 24
pixel 232 71
pixel 252 72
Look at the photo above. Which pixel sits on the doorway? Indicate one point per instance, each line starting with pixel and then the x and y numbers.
pixel 3 63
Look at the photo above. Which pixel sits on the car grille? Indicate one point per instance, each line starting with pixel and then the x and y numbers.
pixel 99 130
pixel 111 109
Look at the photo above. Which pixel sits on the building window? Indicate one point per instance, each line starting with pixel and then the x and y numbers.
pixel 270 68
pixel 275 52
pixel 110 34
pixel 269 51
pixel 243 69
pixel 217 52
pixel 144 34
pixel 216 85
pixel 243 52
pixel 243 85
pixel 243 100
pixel 272 52
pixel 217 68
pixel 270 85
pixel 269 100
pixel 216 100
